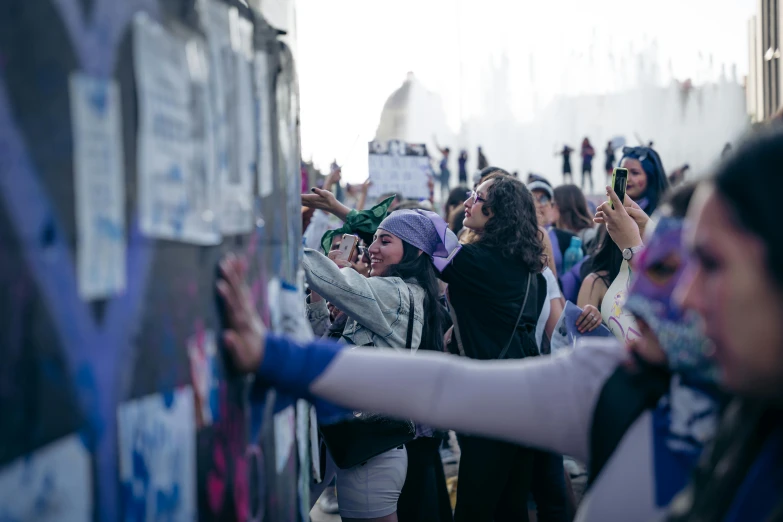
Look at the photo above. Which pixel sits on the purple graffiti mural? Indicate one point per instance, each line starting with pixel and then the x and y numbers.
pixel 107 353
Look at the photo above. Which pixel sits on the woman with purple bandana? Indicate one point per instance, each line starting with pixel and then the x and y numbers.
pixel 496 294
pixel 401 292
pixel 639 417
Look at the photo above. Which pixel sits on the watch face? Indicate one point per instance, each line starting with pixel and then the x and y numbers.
pixel 627 254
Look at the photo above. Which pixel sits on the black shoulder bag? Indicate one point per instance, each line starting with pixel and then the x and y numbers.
pixel 367 435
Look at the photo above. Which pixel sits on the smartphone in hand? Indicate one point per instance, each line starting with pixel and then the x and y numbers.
pixel 347 248
pixel 619 181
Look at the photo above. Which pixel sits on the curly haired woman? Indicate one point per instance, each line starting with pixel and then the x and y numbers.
pixel 496 292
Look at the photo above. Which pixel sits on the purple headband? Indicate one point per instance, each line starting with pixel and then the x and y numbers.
pixel 425 230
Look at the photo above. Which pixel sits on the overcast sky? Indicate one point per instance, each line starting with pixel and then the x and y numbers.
pixel 353 53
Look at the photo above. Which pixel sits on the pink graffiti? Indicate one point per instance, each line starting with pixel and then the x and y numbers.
pixel 229 465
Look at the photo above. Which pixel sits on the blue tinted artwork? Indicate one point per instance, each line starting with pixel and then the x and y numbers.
pixel 157 448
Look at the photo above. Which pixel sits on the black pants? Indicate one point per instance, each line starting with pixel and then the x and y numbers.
pixel 494 481
pixel 587 174
pixel 549 488
pixel 424 496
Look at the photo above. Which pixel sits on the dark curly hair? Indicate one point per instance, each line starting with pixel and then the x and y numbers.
pixel 513 228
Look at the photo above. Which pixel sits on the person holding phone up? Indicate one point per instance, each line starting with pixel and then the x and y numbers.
pixel 609 268
pixel 395 307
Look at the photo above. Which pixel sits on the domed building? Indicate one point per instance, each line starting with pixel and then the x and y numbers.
pixel 414 114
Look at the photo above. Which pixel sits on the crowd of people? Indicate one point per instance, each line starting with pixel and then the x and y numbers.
pixel 669 399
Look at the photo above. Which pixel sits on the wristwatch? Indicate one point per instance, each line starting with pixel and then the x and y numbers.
pixel 628 253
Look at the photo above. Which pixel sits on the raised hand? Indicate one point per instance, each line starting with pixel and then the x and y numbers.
pixel 621 226
pixel 246 334
pixel 324 200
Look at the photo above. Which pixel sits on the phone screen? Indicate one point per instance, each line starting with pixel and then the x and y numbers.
pixel 619 181
pixel 347 247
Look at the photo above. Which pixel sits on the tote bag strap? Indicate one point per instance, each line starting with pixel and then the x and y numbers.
pixel 519 318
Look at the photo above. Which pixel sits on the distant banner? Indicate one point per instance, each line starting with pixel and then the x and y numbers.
pixel 399 167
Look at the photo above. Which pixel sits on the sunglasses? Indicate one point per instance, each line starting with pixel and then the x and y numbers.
pixel 542 199
pixel 472 194
pixel 640 153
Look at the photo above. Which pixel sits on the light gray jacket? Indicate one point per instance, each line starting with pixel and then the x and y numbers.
pixel 377 307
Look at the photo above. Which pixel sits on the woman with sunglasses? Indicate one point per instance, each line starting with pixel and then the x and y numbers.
pixel 639 415
pixel 497 293
pixel 647 181
pixel 608 271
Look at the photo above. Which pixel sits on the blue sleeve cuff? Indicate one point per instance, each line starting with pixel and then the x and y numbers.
pixel 292 367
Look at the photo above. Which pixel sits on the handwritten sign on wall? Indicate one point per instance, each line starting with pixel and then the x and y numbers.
pixel 52 484
pixel 99 178
pixel 177 185
pixel 399 167
pixel 157 447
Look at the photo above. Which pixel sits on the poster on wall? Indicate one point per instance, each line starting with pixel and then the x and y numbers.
pixel 263 124
pixel 399 167
pixel 52 484
pixel 157 450
pixel 205 373
pixel 99 179
pixel 231 83
pixel 290 161
pixel 177 186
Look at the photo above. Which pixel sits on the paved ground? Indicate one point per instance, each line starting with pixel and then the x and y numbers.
pixel 316 515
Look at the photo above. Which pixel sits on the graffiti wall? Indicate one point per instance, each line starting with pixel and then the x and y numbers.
pixel 141 141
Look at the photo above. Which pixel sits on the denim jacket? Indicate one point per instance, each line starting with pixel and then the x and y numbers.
pixel 377 307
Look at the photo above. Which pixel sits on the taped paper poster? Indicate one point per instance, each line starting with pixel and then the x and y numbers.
pixel 49 485
pixel 274 288
pixel 157 451
pixel 400 168
pixel 293 313
pixel 284 437
pixel 99 178
pixel 204 371
pixel 264 125
pixel 231 80
pixel 177 184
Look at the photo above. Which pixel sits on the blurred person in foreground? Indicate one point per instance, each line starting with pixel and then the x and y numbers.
pixel 735 281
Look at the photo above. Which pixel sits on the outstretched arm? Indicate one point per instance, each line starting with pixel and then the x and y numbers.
pixel 545 402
